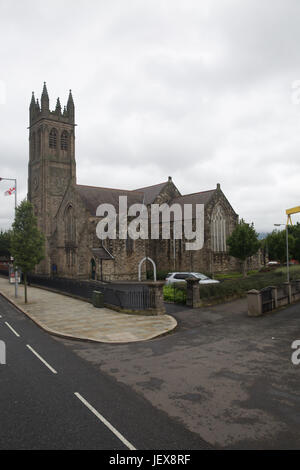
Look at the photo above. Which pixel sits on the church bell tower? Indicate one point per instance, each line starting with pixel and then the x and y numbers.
pixel 52 164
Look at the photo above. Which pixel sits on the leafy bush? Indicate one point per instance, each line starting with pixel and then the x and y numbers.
pixel 174 293
pixel 160 275
pixel 239 287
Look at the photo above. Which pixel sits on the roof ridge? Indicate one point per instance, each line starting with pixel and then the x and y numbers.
pixel 198 192
pixel 152 186
pixel 109 189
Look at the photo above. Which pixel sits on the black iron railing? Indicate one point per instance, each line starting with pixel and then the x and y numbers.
pixel 267 299
pixel 131 297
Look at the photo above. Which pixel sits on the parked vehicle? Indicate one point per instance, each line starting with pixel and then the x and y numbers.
pixel 292 262
pixel 173 278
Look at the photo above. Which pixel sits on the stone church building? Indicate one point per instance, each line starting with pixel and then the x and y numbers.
pixel 66 211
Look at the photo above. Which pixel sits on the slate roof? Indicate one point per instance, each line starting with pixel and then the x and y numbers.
pixel 93 196
pixel 151 192
pixel 193 199
pixel 202 197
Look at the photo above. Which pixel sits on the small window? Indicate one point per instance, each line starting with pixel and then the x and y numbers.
pixel 52 139
pixel 64 141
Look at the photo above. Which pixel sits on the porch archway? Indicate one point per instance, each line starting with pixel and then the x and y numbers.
pixel 153 264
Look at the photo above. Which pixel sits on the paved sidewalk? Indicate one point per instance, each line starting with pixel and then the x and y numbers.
pixel 65 316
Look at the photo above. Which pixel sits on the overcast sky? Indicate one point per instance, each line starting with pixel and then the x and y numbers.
pixel 198 90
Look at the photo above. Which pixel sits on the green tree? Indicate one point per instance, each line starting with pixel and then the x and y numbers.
pixel 294 230
pixel 27 242
pixel 5 238
pixel 277 245
pixel 264 248
pixel 243 243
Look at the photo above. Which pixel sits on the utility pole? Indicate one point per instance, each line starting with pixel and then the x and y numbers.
pixel 287 254
pixel 15 189
pixel 287 250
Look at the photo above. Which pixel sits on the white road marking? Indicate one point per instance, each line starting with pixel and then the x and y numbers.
pixel 0 316
pixel 14 331
pixel 105 422
pixel 41 359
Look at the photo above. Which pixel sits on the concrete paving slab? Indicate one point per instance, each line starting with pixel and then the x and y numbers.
pixel 72 318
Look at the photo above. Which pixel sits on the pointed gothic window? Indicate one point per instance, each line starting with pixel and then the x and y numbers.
pixel 70 231
pixel 218 230
pixel 52 139
pixel 64 141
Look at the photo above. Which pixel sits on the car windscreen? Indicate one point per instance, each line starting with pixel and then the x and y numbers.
pixel 201 276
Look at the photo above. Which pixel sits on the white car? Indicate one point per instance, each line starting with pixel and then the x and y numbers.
pixel 181 277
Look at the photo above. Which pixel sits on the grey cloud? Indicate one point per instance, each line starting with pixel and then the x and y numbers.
pixel 197 90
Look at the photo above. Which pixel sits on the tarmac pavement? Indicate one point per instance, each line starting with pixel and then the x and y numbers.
pixel 52 399
pixel 225 376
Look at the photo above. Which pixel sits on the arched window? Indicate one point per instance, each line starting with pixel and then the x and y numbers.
pixel 53 139
pixel 70 229
pixel 64 141
pixel 218 230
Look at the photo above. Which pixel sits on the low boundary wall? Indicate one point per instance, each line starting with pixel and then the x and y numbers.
pixel 272 297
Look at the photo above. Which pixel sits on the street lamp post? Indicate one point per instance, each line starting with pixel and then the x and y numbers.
pixel 287 250
pixel 16 269
pixel 15 180
pixel 287 253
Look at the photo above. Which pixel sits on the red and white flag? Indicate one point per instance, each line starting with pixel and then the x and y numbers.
pixel 9 192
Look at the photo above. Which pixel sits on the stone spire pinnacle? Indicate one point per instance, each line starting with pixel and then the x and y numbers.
pixel 58 107
pixel 45 99
pixel 32 108
pixel 32 102
pixel 70 99
pixel 71 107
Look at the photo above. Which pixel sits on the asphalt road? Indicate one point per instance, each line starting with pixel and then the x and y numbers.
pixel 227 377
pixel 50 398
